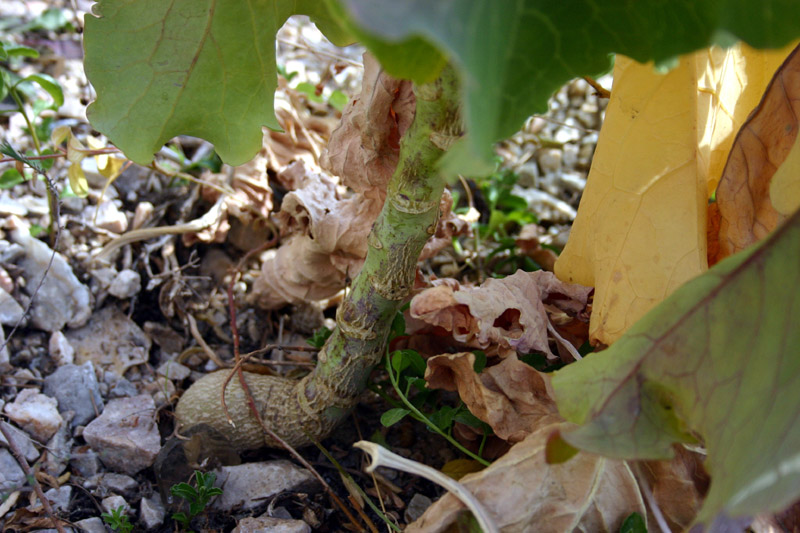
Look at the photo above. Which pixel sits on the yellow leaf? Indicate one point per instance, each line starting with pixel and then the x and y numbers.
pixel 76 151
pixel 108 166
pixel 784 189
pixel 729 90
pixel 641 226
pixel 59 134
pixel 77 180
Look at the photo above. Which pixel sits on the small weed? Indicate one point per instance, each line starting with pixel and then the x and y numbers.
pixel 197 498
pixel 319 337
pixel 118 520
pixel 406 370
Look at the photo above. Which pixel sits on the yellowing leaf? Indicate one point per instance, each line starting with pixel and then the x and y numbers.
pixel 77 180
pixel 641 227
pixel 76 151
pixel 729 90
pixel 784 189
pixel 761 185
pixel 59 134
pixel 108 166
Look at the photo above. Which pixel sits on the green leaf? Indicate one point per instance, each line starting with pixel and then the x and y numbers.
pixel 480 361
pixel 319 337
pixel 720 359
pixel 633 524
pixel 49 84
pixel 338 100
pixel 17 50
pixel 310 90
pixel 10 177
pixel 443 417
pixel 514 54
pixel 393 416
pixel 195 67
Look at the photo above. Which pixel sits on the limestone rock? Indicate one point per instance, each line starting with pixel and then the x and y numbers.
pixel 249 485
pixel 76 389
pixel 36 413
pixel 125 436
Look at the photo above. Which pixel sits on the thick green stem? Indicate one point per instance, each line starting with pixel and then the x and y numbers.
pixel 309 409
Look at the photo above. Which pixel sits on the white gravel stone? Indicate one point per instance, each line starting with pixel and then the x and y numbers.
pixel 151 511
pixel 173 370
pixel 549 160
pixel 35 413
pixel 91 525
pixel 76 389
pixel 10 311
pixel 21 440
pixel 128 283
pixel 62 299
pixel 11 474
pixel 59 498
pixel 125 436
pixel 107 216
pixel 266 524
pixel 60 349
pixel 114 502
pixel 249 485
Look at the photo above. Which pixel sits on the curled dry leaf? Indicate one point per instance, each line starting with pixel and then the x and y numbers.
pixel 364 149
pixel 511 397
pixel 249 200
pixel 328 226
pixel 303 137
pixel 760 150
pixel 523 493
pixel 327 246
pixel 507 313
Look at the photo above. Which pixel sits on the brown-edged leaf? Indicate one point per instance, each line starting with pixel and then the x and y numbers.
pixel 761 146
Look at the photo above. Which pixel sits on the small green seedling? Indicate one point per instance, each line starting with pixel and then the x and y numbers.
pixel 118 520
pixel 198 498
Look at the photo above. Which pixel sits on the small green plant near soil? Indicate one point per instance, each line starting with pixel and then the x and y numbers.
pixel 406 391
pixel 634 523
pixel 197 497
pixel 118 520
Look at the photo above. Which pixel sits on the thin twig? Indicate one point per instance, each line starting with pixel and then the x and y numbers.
pixel 59 155
pixel 602 92
pixel 202 343
pixel 30 477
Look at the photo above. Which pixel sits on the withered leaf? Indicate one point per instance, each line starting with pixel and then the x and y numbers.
pixel 523 493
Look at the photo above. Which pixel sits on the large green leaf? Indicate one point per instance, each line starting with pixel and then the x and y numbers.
pixel 197 67
pixel 514 54
pixel 719 359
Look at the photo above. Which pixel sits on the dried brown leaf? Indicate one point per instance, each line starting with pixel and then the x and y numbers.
pixel 511 397
pixel 250 201
pixel 761 146
pixel 364 149
pixel 678 486
pixel 507 313
pixel 523 493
